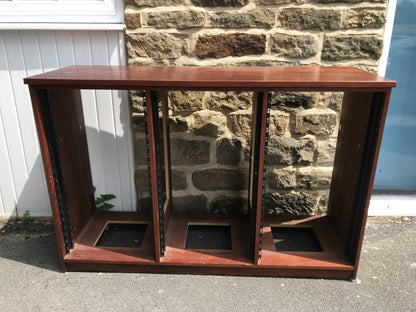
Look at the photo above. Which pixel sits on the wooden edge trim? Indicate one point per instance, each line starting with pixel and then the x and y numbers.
pixel 153 173
pixel 48 174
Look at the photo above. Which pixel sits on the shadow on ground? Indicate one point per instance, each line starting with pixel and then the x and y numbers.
pixel 31 242
pixel 31 280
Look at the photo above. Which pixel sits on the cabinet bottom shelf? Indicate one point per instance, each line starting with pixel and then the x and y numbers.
pixel 329 262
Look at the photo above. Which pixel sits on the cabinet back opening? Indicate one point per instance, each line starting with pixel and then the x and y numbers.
pixel 295 239
pixel 122 235
pixel 208 237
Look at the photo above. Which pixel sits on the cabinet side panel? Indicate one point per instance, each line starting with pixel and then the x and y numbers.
pixel 66 108
pixel 39 101
pixel 351 138
pixel 374 135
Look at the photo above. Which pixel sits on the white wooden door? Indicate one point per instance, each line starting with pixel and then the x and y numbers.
pixel 26 53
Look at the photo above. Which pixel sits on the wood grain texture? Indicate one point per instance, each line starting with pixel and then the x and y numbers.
pixel 332 254
pixel 176 237
pixel 43 143
pixel 66 109
pixel 369 165
pixel 340 233
pixel 85 243
pixel 206 269
pixel 153 173
pixel 206 78
pixel 348 156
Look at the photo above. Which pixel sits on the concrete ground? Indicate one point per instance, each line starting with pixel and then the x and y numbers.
pixel 30 280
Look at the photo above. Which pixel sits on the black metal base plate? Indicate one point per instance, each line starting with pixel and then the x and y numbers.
pixel 295 239
pixel 122 235
pixel 208 237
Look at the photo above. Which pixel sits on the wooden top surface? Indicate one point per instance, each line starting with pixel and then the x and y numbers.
pixel 205 78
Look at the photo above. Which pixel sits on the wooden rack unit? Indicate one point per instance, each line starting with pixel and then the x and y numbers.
pixel 59 118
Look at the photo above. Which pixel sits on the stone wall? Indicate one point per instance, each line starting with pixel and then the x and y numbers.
pixel 210 130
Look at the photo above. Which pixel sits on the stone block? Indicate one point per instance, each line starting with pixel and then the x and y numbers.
pixel 291 101
pixel 138 124
pixel 179 181
pixel 230 101
pixel 326 151
pixel 219 3
pixel 140 151
pixel 315 121
pixel 276 2
pixel 153 45
pixel 313 19
pixel 296 46
pixel 296 203
pixel 208 123
pixel 279 123
pixel 190 203
pixel 176 19
pixel 349 1
pixel 240 124
pixel 314 178
pixel 323 203
pixel 189 152
pixel 288 151
pixel 229 152
pixel 254 19
pixel 132 18
pixel 155 3
pixel 137 101
pixel 345 47
pixel 334 101
pixel 265 62
pixel 366 18
pixel 284 178
pixel 228 205
pixel 237 44
pixel 141 179
pixel 178 124
pixel 220 179
pixel 186 100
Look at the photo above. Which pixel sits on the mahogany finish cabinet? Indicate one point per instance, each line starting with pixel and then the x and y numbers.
pixel 163 247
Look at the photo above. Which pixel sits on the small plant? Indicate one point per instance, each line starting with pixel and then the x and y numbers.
pixel 27 218
pixel 101 203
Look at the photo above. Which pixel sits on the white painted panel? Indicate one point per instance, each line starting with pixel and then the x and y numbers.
pixel 82 51
pixel 11 125
pixel 105 113
pixel 122 125
pixel 392 205
pixel 7 191
pixel 61 11
pixel 36 183
pixel 65 48
pixel 25 53
pixel 48 50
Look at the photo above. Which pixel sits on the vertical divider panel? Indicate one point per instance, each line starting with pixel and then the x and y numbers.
pixel 71 139
pixel 253 176
pixel 257 170
pixel 155 159
pixel 167 206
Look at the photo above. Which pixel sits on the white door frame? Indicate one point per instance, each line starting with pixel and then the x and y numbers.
pixel 390 205
pixel 62 11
